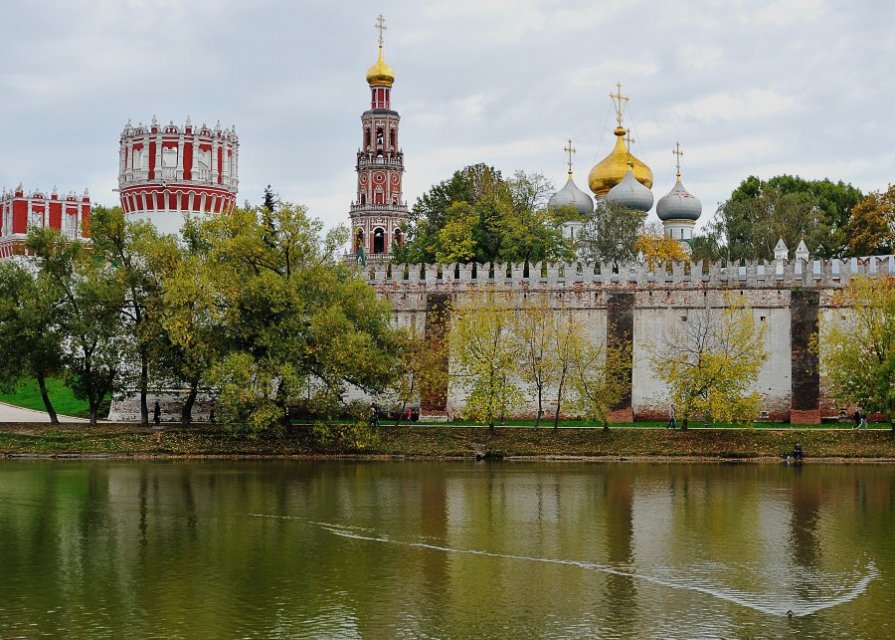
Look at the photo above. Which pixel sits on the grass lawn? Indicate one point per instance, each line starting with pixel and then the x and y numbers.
pixel 579 424
pixel 27 395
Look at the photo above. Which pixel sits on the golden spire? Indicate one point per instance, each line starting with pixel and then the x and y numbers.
pixel 380 74
pixel 677 162
pixel 570 150
pixel 618 98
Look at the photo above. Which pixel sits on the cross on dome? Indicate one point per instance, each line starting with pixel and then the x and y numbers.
pixel 619 99
pixel 380 27
pixel 570 150
pixel 677 163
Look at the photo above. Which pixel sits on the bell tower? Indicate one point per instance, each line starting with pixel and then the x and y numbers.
pixel 379 212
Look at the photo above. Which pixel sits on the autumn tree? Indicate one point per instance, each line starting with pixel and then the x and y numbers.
pixel 872 224
pixel 420 368
pixel 858 352
pixel 598 378
pixel 487 355
pixel 710 361
pixel 658 248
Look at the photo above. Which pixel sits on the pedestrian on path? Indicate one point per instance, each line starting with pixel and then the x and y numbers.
pixel 671 421
pixel 157 414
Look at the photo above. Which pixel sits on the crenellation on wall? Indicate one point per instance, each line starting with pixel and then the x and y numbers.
pixel 789 382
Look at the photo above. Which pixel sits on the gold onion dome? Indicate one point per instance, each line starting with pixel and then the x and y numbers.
pixel 612 169
pixel 380 74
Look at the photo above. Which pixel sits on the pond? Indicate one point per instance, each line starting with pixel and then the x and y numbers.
pixel 311 549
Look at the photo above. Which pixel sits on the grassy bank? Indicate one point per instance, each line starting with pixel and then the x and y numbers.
pixel 451 441
pixel 27 395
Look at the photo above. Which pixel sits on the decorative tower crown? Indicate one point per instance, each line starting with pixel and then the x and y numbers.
pixel 169 172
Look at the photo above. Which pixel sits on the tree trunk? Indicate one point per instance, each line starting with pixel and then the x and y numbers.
pixel 684 424
pixel 144 388
pixel 540 405
pixel 42 383
pixel 94 410
pixel 186 412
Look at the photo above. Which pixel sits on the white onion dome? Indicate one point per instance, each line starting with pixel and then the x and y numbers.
pixel 571 196
pixel 678 204
pixel 631 193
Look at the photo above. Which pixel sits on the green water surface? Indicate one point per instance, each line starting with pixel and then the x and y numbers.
pixel 287 549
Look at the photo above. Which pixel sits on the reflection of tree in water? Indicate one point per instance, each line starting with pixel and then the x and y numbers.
pixel 805 502
pixel 621 592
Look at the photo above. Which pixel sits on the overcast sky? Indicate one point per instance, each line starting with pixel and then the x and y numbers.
pixel 800 87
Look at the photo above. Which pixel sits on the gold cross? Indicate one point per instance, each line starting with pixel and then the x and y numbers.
pixel 570 150
pixel 677 163
pixel 380 26
pixel 619 98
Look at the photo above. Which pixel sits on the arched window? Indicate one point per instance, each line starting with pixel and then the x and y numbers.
pixel 378 240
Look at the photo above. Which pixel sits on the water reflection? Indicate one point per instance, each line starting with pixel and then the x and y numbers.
pixel 416 550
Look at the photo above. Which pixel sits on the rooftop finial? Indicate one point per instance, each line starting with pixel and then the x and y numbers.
pixel 619 99
pixel 677 163
pixel 570 150
pixel 629 140
pixel 380 27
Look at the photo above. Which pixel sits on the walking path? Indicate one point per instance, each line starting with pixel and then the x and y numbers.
pixel 11 413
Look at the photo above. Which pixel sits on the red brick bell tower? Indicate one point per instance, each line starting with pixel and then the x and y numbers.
pixel 379 213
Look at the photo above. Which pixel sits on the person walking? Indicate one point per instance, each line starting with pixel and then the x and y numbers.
pixel 374 415
pixel 157 414
pixel 857 418
pixel 863 423
pixel 671 421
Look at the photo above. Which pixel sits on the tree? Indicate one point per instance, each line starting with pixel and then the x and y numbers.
pixel 294 317
pixel 610 235
pixel 657 248
pixel 534 329
pixel 478 215
pixel 487 355
pixel 599 379
pixel 710 362
pixel 858 353
pixel 420 369
pixel 758 213
pixel 30 339
pixel 122 246
pixel 92 297
pixel 872 224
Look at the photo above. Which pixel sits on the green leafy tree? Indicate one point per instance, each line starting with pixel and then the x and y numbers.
pixel 122 246
pixel 478 215
pixel 858 352
pixel 611 234
pixel 92 298
pixel 30 337
pixel 293 318
pixel 758 213
pixel 486 353
pixel 710 362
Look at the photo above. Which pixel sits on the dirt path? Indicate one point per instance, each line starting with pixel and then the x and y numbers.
pixel 10 413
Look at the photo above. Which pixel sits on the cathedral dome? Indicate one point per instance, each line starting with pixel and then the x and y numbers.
pixel 571 196
pixel 610 170
pixel 678 204
pixel 380 74
pixel 631 193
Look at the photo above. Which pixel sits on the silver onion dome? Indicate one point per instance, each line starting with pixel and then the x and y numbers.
pixel 631 194
pixel 571 196
pixel 679 204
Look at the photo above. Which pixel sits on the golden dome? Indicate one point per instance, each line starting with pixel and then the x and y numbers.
pixel 610 170
pixel 380 74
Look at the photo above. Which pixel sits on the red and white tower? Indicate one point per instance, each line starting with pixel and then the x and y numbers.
pixel 167 173
pixel 69 214
pixel 379 213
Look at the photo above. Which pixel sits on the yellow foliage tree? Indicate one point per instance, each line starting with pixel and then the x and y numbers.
pixel 858 353
pixel 657 248
pixel 487 356
pixel 710 362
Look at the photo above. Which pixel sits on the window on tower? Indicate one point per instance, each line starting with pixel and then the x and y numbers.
pixel 379 141
pixel 378 240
